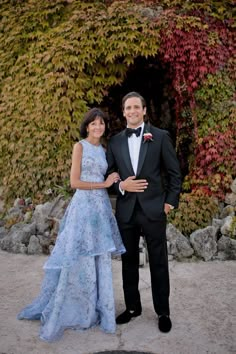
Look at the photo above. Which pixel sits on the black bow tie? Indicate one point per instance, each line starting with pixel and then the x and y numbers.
pixel 130 131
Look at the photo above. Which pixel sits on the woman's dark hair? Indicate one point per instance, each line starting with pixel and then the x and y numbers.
pixel 89 117
pixel 133 94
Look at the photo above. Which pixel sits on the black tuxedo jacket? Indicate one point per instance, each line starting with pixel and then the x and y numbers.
pixel 157 164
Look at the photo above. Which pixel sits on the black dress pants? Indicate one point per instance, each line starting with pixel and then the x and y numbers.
pixel 155 235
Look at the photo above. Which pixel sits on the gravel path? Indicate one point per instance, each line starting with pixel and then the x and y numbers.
pixel 203 312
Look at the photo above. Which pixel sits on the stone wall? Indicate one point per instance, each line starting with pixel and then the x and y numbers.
pixel 30 229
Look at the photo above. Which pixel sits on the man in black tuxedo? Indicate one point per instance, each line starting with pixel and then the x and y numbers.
pixel 150 186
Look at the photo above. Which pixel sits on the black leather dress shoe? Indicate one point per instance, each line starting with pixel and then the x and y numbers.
pixel 126 316
pixel 164 323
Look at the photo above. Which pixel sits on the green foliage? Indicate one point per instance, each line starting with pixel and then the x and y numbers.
pixel 60 57
pixel 215 105
pixel 57 59
pixel 196 210
pixel 64 190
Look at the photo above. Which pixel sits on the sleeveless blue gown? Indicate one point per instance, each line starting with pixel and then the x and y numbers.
pixel 77 289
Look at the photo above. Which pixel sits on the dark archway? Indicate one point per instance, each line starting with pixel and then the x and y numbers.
pixel 152 81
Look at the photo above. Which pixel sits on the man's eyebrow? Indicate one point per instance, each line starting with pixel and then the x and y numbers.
pixel 136 106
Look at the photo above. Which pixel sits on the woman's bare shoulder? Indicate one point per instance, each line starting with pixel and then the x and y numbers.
pixel 78 147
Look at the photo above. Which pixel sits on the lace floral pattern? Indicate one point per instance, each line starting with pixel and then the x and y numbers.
pixel 77 290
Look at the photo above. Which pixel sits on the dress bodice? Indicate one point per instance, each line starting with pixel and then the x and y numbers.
pixel 94 164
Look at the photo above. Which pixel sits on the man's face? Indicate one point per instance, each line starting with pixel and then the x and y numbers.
pixel 134 112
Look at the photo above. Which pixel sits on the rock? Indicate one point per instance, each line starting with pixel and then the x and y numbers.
pixel 58 207
pixel 55 229
pixel 224 243
pixel 229 210
pixel 40 217
pixel 233 186
pixel 204 242
pixel 18 237
pixel 230 199
pixel 19 248
pixel 22 232
pixel 233 247
pixel 44 240
pixel 217 223
pixel 3 232
pixel 45 214
pixel 220 256
pixel 227 248
pixel 178 245
pixel 14 211
pixel 34 246
pixel 229 226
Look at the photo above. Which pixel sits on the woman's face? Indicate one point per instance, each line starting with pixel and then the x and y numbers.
pixel 96 128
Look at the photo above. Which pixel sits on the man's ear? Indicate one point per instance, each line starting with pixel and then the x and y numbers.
pixel 145 110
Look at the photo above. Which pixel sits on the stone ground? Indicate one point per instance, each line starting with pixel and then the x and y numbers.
pixel 203 312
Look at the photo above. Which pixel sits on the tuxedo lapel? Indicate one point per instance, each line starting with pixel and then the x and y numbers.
pixel 143 150
pixel 125 152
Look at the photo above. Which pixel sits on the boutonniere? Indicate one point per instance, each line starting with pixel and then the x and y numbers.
pixel 147 137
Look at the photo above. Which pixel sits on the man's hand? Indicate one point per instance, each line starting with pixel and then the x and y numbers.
pixel 131 184
pixel 167 208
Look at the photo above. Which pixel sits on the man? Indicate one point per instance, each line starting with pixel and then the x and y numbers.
pixel 150 186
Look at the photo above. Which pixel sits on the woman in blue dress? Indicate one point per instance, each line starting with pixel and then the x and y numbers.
pixel 77 290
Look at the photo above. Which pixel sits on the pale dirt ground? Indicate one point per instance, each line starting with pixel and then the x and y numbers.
pixel 203 312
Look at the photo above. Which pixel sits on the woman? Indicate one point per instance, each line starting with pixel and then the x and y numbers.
pixel 77 288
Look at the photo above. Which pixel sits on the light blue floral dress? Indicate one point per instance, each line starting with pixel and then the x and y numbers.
pixel 77 290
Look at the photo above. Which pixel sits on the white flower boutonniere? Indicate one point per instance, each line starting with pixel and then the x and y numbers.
pixel 147 137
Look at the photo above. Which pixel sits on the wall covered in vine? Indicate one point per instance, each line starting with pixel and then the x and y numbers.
pixel 58 58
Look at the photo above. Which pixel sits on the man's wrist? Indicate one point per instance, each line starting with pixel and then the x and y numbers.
pixel 121 189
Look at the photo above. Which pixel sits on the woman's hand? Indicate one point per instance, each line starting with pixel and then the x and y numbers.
pixel 112 178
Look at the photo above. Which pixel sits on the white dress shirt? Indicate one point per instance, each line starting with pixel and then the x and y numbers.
pixel 134 143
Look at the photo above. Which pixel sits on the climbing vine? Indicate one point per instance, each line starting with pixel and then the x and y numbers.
pixel 61 57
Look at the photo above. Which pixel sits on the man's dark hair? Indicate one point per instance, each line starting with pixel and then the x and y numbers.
pixel 89 117
pixel 133 94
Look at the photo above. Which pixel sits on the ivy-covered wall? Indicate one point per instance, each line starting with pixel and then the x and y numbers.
pixel 58 58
